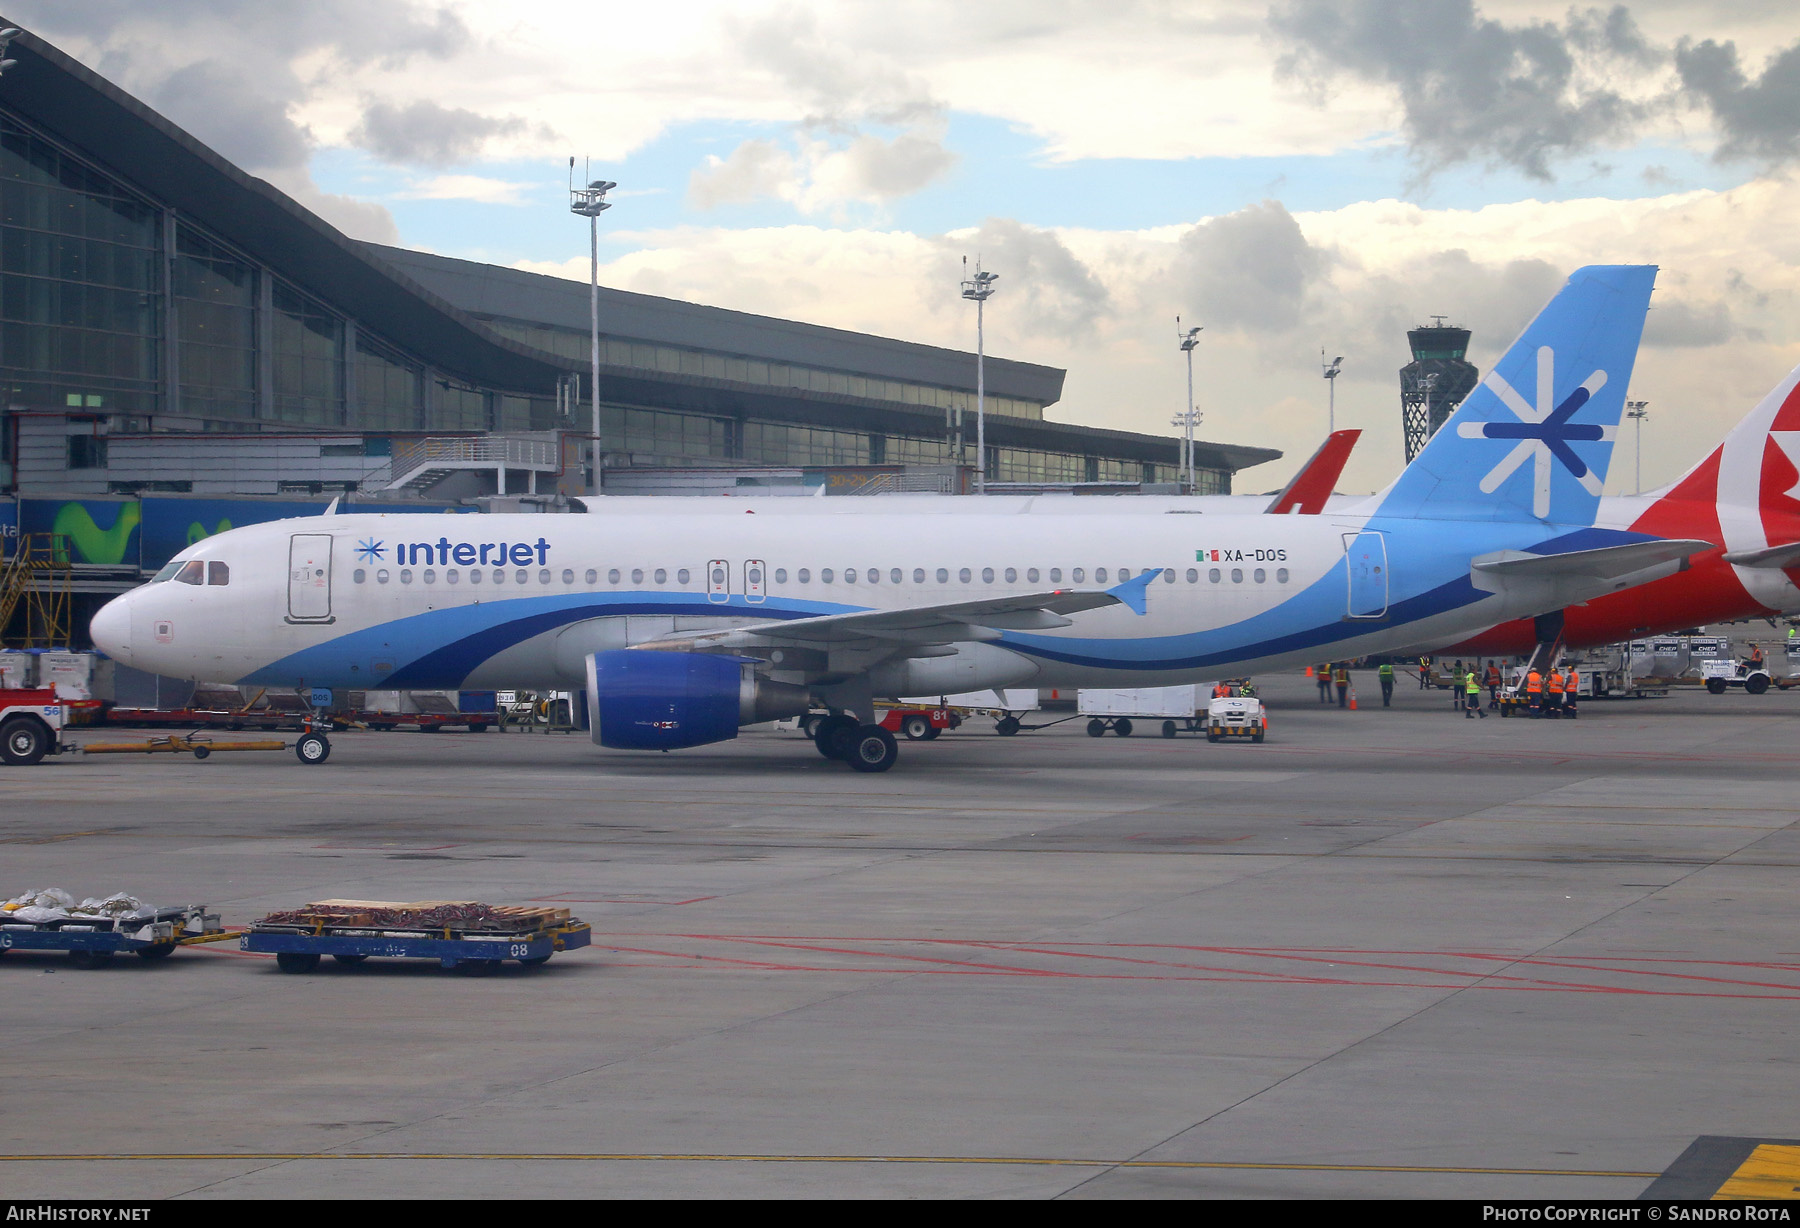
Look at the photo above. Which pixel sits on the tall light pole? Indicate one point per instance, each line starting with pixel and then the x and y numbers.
pixel 6 36
pixel 979 287
pixel 1639 410
pixel 1189 418
pixel 1331 370
pixel 590 202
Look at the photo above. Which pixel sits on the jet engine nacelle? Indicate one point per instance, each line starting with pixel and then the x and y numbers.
pixel 648 700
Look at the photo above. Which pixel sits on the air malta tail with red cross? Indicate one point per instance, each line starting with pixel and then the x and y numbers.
pixel 1744 497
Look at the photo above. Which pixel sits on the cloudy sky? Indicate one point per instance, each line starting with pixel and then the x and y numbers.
pixel 1294 176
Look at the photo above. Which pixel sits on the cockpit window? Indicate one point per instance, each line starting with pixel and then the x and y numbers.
pixel 192 572
pixel 218 573
pixel 167 573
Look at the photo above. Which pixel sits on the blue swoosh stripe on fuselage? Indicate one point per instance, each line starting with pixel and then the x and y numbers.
pixel 1445 597
pixel 468 636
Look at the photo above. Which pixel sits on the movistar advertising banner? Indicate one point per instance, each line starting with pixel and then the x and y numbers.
pixel 147 533
pixel 173 523
pixel 99 530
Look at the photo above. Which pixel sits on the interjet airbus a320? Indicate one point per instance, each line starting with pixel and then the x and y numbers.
pixel 682 628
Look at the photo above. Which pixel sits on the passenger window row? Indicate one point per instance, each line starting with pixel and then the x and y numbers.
pixel 194 571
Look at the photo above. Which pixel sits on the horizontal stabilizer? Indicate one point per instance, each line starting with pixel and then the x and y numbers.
pixel 1601 563
pixel 1770 556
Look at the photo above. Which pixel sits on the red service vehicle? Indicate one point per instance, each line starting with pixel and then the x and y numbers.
pixel 31 724
pixel 920 724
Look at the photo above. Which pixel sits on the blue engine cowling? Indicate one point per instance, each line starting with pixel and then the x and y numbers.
pixel 663 700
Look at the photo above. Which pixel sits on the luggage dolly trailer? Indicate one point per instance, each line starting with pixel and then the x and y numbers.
pixel 150 934
pixel 311 747
pixel 298 948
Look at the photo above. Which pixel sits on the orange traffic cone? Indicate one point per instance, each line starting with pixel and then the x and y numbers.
pixel 1352 699
pixel 1309 672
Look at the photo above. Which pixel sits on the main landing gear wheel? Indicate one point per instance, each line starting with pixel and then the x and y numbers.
pixel 23 741
pixel 1006 726
pixel 1096 728
pixel 312 748
pixel 872 749
pixel 834 735
pixel 916 728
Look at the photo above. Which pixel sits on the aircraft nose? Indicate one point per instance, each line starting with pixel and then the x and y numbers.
pixel 111 629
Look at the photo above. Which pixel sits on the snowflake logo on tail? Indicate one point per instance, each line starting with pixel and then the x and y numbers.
pixel 1543 432
pixel 369 550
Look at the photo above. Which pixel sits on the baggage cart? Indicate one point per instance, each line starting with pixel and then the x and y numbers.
pixel 474 939
pixel 91 942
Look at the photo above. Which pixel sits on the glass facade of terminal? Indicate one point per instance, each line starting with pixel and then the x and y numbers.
pixel 111 304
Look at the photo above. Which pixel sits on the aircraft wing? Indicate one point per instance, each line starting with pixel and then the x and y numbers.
pixel 1601 563
pixel 921 626
pixel 1312 486
pixel 1771 556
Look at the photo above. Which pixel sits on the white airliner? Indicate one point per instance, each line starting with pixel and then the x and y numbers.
pixel 682 626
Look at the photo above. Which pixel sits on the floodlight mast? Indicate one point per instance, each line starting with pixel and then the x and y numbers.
pixel 1331 369
pixel 1639 410
pixel 979 288
pixel 6 36
pixel 590 202
pixel 1189 418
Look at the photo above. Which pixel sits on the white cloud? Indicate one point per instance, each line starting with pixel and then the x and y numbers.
pixel 478 188
pixel 1725 325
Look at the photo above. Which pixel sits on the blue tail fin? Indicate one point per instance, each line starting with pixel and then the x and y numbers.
pixel 1533 441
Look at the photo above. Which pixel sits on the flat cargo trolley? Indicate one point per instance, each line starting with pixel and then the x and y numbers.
pixel 92 941
pixel 473 938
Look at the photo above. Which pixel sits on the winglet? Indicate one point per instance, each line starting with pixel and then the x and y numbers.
pixel 1131 592
pixel 331 508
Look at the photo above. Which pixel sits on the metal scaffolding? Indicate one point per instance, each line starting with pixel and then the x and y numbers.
pixel 35 582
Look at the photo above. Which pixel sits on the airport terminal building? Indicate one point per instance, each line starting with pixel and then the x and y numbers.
pixel 173 328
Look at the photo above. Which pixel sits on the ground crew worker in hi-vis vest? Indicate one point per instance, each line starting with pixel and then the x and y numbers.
pixel 1323 674
pixel 1424 672
pixel 1221 690
pixel 1472 689
pixel 1493 685
pixel 1341 676
pixel 1553 692
pixel 1534 693
pixel 1386 673
pixel 1570 684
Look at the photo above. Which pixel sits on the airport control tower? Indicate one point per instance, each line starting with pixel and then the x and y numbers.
pixel 1435 382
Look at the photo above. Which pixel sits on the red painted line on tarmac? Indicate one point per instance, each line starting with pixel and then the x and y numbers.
pixel 1562 756
pixel 1434 978
pixel 619 899
pixel 391 848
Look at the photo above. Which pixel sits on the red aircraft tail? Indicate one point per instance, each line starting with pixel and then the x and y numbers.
pixel 1313 485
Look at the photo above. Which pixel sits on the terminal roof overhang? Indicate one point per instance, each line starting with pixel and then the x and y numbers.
pixel 89 113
